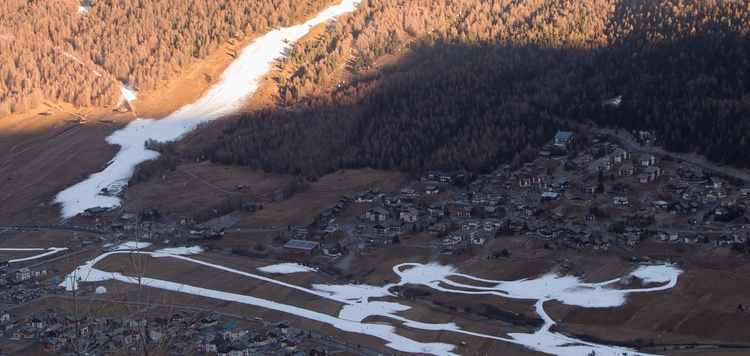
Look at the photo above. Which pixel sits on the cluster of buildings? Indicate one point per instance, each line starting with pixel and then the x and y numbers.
pixel 546 200
pixel 183 332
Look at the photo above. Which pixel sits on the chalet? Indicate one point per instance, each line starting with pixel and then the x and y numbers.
pixel 26 333
pixel 529 209
pixel 491 211
pixel 8 325
pixel 576 163
pixel 319 351
pixel 480 198
pixel 392 201
pixel 626 170
pixel 524 182
pixel 620 201
pixel 653 172
pixel 478 239
pixel 647 160
pixel 382 228
pixel 516 225
pixel 588 189
pixel 744 193
pixel 409 215
pixel 492 224
pixel 408 193
pixel 283 326
pixel 589 217
pixel 437 212
pixel 445 177
pixel 619 155
pixel 4 264
pixel 437 229
pixel 94 212
pixel 675 190
pixel 660 205
pixel 579 201
pixel 580 238
pixel 604 166
pixel 398 227
pixel 363 198
pixel 562 138
pixel 545 154
pixel 602 242
pixel 560 185
pixel 207 346
pixel 550 196
pixel 632 239
pixel 431 189
pixel 453 239
pixel 232 348
pixel 209 321
pixel 23 274
pixel 470 225
pixel 377 214
pixel 464 213
pixel 643 178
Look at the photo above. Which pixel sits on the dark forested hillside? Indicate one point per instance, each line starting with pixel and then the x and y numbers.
pixel 483 82
pixel 61 51
pixel 487 84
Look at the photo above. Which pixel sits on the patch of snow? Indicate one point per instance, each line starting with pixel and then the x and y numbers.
pixel 357 305
pixel 286 268
pixel 132 245
pixel 177 251
pixel 50 251
pixel 82 10
pixel 128 93
pixel 7 37
pixel 87 273
pixel 616 101
pixel 238 82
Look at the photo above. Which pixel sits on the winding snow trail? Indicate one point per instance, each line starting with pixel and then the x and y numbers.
pixel 50 251
pixel 238 82
pixel 357 303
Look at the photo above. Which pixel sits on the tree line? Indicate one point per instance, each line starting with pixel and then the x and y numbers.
pixel 52 50
pixel 489 84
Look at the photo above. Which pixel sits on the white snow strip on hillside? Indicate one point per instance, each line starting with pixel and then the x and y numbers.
pixel 177 251
pixel 357 304
pixel 132 245
pixel 237 83
pixel 286 268
pixel 50 251
pixel 87 273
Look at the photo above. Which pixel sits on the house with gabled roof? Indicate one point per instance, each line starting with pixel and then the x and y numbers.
pixel 562 138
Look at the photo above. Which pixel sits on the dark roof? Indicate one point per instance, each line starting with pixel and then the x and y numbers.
pixel 563 135
pixel 301 244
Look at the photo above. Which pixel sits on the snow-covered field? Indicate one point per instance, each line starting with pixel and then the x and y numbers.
pixel 131 245
pixel 49 251
pixel 361 301
pixel 238 82
pixel 286 268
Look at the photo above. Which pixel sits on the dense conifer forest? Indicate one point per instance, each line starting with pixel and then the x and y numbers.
pixel 476 84
pixel 61 50
pixel 489 82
